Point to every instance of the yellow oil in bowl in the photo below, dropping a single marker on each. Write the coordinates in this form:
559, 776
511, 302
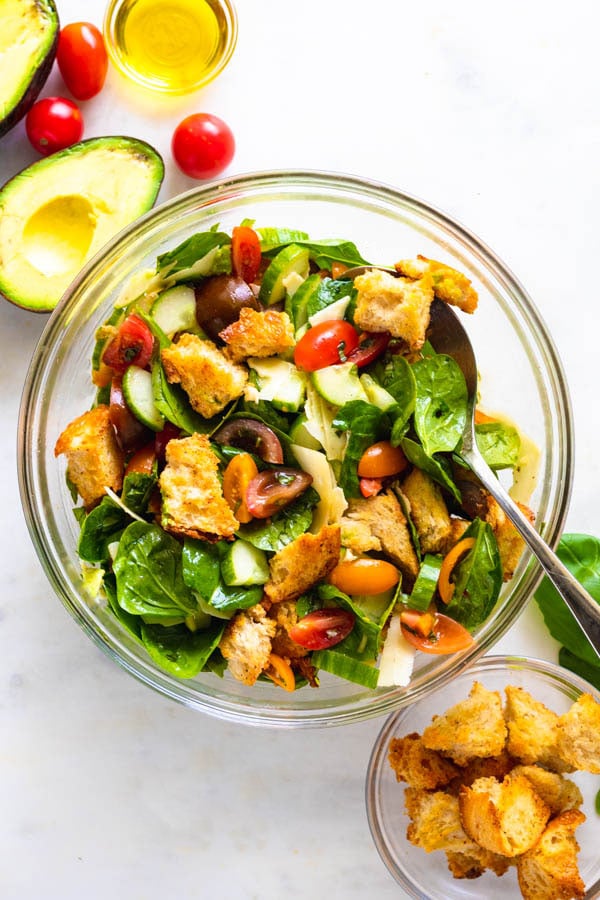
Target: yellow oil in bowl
173, 46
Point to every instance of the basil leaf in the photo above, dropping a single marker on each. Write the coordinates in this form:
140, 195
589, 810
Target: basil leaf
281, 529
440, 403
180, 651
499, 444
477, 578
435, 467
363, 421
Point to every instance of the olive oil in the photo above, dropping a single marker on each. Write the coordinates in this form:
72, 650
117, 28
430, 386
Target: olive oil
171, 45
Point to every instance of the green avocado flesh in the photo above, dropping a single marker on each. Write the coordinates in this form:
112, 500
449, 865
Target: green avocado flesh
60, 211
28, 40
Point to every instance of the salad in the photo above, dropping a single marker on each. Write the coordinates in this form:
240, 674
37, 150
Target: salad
268, 474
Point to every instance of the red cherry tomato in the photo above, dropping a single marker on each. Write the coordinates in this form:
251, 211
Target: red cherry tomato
202, 145
446, 635
381, 460
325, 344
82, 59
370, 346
133, 344
370, 487
364, 576
53, 124
245, 253
273, 489
322, 628
142, 460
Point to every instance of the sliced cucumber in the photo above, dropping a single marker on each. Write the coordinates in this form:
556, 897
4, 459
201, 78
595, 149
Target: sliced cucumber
279, 382
296, 306
299, 434
378, 395
139, 396
426, 583
243, 564
292, 258
339, 384
175, 310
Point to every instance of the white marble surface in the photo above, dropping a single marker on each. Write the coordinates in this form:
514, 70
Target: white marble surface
492, 115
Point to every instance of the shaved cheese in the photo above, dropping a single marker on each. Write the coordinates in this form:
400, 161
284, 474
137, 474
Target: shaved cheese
397, 657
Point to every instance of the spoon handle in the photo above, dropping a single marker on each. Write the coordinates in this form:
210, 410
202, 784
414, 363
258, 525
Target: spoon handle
585, 609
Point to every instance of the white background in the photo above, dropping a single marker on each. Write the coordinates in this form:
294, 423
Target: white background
491, 113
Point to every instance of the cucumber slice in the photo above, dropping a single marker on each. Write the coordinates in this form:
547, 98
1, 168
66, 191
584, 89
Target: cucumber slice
299, 434
426, 583
347, 667
296, 306
339, 384
175, 310
378, 395
139, 396
292, 258
279, 382
244, 564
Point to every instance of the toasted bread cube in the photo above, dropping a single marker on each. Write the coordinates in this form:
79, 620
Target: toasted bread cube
428, 511
264, 333
549, 871
304, 562
398, 305
285, 616
476, 862
435, 822
510, 543
474, 727
418, 766
209, 379
94, 459
383, 517
449, 284
192, 496
532, 731
557, 792
506, 817
578, 736
482, 767
246, 643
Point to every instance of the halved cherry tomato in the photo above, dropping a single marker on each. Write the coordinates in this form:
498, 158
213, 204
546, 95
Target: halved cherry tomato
52, 124
280, 672
364, 576
371, 344
131, 434
370, 487
446, 636
142, 460
421, 623
253, 436
381, 460
325, 344
237, 476
132, 345
82, 59
273, 489
161, 438
323, 628
445, 586
245, 252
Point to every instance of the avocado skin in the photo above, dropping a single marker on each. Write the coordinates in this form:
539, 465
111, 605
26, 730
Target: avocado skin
39, 76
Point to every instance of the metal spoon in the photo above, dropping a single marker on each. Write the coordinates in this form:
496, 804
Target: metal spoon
447, 335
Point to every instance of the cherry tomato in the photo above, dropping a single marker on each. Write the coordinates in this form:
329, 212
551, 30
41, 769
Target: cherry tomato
202, 145
325, 344
322, 628
161, 438
53, 124
245, 252
370, 487
381, 460
131, 434
364, 576
142, 460
446, 636
370, 346
82, 59
273, 489
280, 672
236, 478
133, 344
253, 436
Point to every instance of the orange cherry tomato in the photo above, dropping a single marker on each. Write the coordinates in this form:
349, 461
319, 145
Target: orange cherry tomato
482, 418
446, 635
142, 460
380, 460
364, 576
280, 672
236, 478
445, 586
245, 252
338, 269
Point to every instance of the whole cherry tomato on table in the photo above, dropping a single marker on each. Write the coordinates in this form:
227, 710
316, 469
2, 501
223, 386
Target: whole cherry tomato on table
202, 145
82, 59
53, 124
325, 344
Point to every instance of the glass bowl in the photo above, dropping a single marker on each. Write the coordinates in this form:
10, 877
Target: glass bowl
426, 876
521, 374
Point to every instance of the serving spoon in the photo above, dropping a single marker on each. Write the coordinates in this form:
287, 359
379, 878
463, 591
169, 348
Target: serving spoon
447, 335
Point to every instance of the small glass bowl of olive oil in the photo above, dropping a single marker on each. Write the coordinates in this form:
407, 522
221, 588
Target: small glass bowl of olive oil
172, 46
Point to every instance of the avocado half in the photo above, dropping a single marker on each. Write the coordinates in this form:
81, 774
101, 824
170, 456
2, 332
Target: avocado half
28, 40
57, 213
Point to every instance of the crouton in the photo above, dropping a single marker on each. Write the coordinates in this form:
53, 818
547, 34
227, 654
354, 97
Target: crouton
358, 537
476, 862
386, 521
532, 731
549, 870
449, 284
557, 792
398, 305
474, 727
94, 459
285, 616
435, 822
261, 334
246, 643
506, 817
192, 497
209, 379
304, 562
510, 543
481, 767
418, 766
578, 737
428, 511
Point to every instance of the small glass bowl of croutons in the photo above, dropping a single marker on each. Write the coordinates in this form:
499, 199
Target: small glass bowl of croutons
488, 787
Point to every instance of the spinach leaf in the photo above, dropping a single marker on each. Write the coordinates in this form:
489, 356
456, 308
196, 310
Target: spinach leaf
288, 524
137, 490
131, 622
477, 578
499, 444
580, 666
173, 402
201, 566
363, 421
435, 467
266, 412
226, 599
148, 569
323, 253
180, 651
183, 260
328, 291
395, 374
440, 403
101, 527
581, 555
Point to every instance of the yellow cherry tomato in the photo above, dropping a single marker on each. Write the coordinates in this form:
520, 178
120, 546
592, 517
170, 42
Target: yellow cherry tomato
236, 478
364, 576
280, 672
380, 460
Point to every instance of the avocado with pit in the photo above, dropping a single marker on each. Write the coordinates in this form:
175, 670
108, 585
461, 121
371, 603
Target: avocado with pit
58, 213
28, 40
